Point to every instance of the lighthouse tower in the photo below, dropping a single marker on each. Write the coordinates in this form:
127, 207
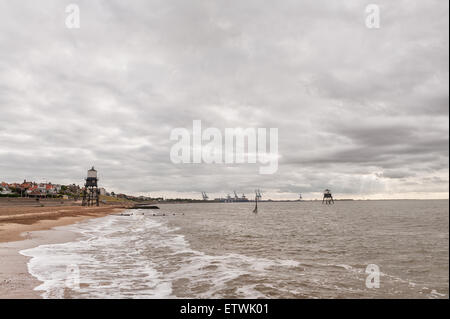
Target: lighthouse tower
91, 192
327, 197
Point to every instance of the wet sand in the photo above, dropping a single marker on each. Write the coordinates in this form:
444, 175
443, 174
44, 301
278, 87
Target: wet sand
27, 227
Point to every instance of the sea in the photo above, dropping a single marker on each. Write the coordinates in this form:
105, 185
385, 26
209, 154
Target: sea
352, 249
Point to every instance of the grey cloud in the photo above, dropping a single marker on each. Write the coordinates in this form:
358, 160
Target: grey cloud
361, 111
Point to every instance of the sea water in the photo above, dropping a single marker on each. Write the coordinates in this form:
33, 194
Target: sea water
223, 250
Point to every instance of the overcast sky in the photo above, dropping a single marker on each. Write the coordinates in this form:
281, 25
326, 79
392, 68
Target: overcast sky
361, 111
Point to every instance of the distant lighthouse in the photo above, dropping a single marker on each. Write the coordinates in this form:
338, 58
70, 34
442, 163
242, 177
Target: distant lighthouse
91, 192
327, 197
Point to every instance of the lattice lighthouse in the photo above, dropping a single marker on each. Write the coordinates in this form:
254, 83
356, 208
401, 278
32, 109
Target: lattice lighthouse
91, 192
327, 197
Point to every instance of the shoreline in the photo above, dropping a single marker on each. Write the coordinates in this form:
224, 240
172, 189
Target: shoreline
23, 228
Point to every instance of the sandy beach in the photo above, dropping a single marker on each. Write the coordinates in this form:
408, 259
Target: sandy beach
27, 227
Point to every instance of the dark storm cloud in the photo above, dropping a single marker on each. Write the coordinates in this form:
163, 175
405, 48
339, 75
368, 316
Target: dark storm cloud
359, 110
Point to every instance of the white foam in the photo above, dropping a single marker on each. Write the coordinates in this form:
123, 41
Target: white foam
109, 261
130, 257
434, 292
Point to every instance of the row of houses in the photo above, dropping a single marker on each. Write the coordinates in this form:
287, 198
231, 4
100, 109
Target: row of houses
33, 189
30, 189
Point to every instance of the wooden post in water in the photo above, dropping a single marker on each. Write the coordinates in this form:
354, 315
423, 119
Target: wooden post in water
257, 195
255, 211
